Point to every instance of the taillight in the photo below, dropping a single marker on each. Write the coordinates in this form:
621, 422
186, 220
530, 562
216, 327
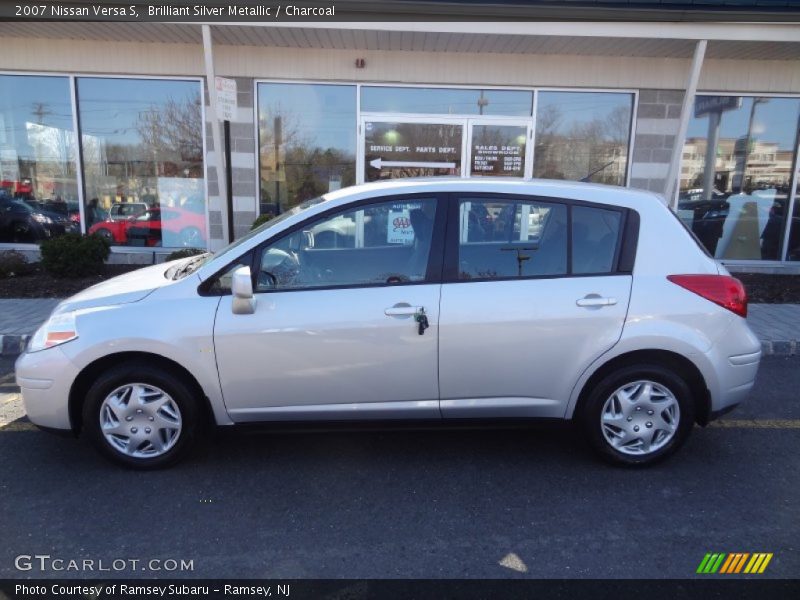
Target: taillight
726, 291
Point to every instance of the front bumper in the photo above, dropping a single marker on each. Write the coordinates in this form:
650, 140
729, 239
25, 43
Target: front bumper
45, 379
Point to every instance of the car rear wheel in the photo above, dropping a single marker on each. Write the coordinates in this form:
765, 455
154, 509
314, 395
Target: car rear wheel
141, 416
638, 415
21, 232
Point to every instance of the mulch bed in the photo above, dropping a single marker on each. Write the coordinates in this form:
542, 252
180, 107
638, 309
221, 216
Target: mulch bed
38, 284
770, 289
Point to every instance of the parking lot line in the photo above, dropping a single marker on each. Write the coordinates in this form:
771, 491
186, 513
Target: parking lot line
757, 424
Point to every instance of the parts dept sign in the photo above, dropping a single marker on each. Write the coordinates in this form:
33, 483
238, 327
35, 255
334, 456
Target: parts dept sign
411, 149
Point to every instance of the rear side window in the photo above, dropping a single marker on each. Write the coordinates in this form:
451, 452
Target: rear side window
595, 235
511, 238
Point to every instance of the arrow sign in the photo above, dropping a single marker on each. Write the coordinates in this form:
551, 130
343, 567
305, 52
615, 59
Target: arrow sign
379, 163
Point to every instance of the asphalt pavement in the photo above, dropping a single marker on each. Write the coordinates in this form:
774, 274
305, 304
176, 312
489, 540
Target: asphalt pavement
469, 503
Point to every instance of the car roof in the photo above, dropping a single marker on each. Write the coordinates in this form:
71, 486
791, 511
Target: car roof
557, 188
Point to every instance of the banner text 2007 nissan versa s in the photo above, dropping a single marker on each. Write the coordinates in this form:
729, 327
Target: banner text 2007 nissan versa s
433, 300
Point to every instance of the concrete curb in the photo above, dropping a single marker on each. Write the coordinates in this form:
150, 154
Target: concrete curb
779, 348
13, 344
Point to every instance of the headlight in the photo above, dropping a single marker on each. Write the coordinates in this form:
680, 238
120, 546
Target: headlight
42, 218
58, 329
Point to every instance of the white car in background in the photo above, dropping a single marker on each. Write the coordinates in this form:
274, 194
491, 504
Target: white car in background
602, 310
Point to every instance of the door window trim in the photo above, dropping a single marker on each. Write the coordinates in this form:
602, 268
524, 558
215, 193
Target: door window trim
624, 252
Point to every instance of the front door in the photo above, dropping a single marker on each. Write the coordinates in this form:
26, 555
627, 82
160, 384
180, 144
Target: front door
522, 315
346, 319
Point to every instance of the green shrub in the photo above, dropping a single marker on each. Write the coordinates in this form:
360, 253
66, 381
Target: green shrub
12, 264
184, 253
261, 219
74, 255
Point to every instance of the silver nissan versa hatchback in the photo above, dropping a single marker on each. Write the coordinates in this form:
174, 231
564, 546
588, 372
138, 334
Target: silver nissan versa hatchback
427, 300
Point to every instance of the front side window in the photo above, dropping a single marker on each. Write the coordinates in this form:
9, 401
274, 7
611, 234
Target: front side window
142, 142
382, 243
511, 238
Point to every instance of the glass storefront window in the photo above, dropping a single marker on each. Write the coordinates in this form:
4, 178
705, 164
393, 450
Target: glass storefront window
142, 145
736, 174
498, 150
583, 136
38, 184
446, 101
793, 246
394, 150
306, 142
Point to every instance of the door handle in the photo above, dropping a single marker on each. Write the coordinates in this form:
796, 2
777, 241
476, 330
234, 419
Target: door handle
595, 300
403, 310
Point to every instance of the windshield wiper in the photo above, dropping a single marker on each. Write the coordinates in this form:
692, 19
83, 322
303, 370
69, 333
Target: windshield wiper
190, 266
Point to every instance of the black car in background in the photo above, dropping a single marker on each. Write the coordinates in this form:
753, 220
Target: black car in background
708, 215
23, 221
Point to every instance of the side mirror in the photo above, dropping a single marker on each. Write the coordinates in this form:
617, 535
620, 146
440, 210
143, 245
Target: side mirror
242, 289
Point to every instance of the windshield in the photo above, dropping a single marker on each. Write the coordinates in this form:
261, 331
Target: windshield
227, 252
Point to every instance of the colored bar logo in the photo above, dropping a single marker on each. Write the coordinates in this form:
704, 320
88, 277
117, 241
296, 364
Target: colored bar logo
734, 562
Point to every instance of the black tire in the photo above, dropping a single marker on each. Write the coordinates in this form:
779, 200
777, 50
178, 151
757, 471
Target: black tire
106, 235
591, 413
22, 233
140, 372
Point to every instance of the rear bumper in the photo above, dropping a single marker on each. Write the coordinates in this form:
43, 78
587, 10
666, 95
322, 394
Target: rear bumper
734, 360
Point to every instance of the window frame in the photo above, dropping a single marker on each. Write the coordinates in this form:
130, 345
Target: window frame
435, 258
624, 252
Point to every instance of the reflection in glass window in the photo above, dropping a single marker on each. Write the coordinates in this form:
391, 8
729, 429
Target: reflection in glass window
793, 247
396, 150
736, 172
142, 142
446, 101
383, 243
583, 136
511, 239
306, 142
38, 185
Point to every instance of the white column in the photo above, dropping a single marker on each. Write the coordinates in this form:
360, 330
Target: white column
216, 133
688, 105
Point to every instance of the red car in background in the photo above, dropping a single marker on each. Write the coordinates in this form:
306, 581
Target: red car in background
167, 226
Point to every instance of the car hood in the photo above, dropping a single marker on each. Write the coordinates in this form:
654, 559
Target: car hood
130, 287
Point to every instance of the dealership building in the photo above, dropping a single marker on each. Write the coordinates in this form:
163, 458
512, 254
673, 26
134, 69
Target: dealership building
113, 123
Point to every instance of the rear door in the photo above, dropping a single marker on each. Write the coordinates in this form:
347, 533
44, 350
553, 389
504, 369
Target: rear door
533, 293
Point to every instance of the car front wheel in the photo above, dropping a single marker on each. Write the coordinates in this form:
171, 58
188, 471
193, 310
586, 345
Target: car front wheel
638, 415
141, 416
